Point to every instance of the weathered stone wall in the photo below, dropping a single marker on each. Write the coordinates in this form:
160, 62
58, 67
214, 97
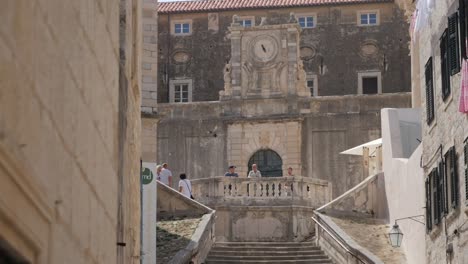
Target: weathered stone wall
195, 138
338, 46
450, 128
263, 223
69, 124
149, 57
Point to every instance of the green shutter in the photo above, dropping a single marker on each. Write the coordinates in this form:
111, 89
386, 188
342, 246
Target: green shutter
428, 204
429, 91
453, 47
454, 177
436, 196
442, 189
465, 154
444, 65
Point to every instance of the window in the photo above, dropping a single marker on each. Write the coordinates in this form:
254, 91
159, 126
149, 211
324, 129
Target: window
368, 18
429, 92
442, 189
181, 27
444, 66
435, 197
307, 21
269, 163
453, 47
312, 85
451, 175
181, 91
369, 83
246, 22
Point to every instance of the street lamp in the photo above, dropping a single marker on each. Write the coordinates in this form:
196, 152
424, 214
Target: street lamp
395, 234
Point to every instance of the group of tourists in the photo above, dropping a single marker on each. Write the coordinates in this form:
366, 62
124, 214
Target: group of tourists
164, 175
254, 173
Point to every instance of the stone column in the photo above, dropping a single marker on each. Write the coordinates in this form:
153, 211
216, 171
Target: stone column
236, 49
293, 54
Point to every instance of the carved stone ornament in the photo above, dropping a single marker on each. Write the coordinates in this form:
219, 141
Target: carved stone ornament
307, 52
181, 57
369, 48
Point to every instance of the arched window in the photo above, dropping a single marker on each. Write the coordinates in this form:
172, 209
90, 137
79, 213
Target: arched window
269, 163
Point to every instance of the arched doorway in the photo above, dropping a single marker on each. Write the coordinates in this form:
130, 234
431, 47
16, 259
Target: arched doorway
269, 163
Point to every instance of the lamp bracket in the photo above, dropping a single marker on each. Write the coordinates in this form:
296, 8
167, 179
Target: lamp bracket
410, 218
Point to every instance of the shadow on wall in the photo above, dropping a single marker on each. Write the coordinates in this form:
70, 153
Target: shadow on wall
367, 199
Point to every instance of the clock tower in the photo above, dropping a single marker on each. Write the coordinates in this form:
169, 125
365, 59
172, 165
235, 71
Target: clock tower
264, 63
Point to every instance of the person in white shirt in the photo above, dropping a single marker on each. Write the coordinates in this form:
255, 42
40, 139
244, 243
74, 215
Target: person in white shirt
185, 186
254, 173
158, 173
166, 175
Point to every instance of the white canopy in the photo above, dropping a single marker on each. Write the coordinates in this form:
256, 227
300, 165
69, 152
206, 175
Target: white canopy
372, 145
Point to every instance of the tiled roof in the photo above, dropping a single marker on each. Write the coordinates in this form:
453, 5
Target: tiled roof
219, 5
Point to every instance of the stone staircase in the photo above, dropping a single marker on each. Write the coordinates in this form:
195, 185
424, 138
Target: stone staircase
266, 252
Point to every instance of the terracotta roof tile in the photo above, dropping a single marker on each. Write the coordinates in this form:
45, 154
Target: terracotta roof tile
219, 5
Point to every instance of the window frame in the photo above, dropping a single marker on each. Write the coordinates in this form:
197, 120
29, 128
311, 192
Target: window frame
314, 78
306, 15
176, 82
181, 22
362, 75
452, 179
242, 20
368, 13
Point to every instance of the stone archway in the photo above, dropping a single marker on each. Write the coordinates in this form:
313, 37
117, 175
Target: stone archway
268, 161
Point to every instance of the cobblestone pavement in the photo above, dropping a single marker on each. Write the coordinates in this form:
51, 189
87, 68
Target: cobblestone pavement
173, 235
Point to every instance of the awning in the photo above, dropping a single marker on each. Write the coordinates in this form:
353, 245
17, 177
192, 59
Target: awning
372, 145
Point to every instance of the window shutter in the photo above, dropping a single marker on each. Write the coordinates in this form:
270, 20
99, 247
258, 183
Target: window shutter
445, 69
429, 92
428, 204
465, 150
462, 20
436, 196
442, 189
454, 177
453, 48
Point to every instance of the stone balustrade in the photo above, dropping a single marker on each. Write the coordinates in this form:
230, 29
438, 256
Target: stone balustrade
295, 190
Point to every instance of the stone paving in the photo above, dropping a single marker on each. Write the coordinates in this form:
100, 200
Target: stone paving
373, 237
173, 235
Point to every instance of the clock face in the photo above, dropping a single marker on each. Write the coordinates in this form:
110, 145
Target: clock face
264, 48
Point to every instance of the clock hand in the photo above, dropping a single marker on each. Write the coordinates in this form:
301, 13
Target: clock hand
264, 49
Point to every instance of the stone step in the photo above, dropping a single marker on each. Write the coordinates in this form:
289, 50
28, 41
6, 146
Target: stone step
264, 248
266, 257
216, 251
269, 244
308, 261
266, 252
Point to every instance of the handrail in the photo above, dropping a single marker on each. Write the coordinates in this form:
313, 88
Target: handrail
338, 241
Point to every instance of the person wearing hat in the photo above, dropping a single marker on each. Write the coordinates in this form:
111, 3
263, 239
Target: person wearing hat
231, 172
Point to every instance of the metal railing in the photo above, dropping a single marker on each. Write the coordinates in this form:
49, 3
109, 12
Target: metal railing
339, 242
